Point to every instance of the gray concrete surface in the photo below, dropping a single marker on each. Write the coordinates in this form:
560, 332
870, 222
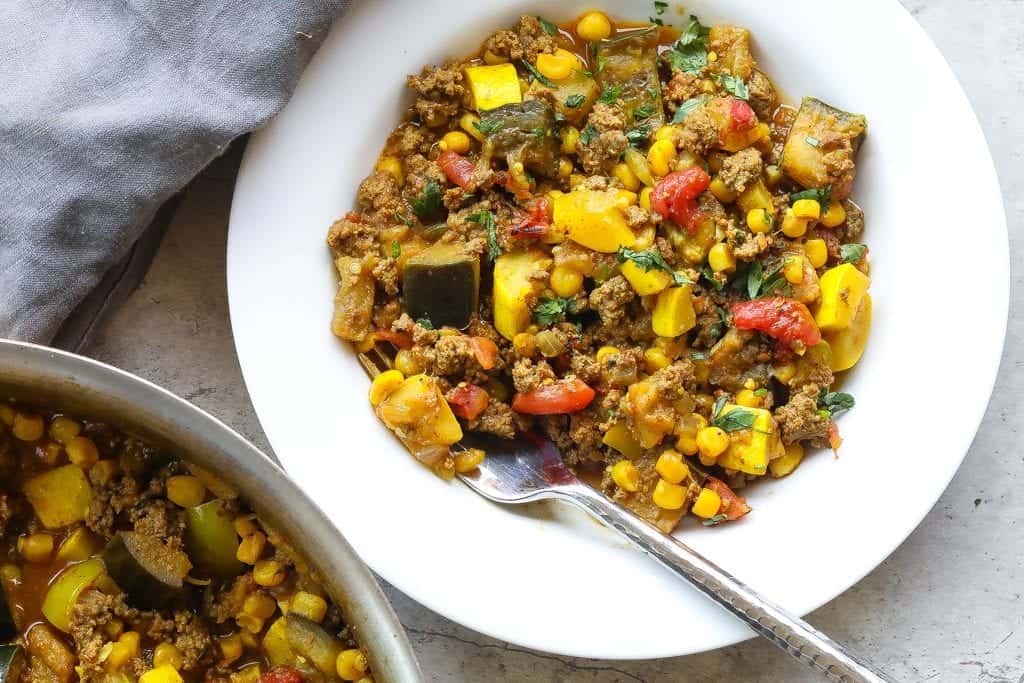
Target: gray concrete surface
946, 606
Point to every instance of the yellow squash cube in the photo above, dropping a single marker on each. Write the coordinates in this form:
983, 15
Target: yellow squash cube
621, 439
493, 86
514, 287
645, 282
757, 197
594, 219
418, 412
673, 312
60, 497
842, 290
848, 345
750, 449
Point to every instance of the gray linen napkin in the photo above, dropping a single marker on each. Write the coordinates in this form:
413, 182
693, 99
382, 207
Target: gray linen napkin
107, 109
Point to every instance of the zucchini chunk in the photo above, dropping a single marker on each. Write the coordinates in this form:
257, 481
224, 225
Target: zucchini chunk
822, 145
442, 285
308, 639
523, 133
353, 304
630, 70
8, 631
12, 663
211, 540
573, 97
150, 572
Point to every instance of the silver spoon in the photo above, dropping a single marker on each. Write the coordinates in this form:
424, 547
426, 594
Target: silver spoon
520, 471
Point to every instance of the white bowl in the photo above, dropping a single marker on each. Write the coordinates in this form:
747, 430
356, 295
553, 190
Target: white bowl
546, 578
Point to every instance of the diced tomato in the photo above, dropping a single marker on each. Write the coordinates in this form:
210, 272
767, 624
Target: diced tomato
834, 440
787, 320
537, 222
675, 197
468, 401
560, 398
401, 340
353, 217
282, 674
733, 506
484, 350
457, 168
741, 116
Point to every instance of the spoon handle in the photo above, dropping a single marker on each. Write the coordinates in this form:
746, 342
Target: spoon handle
792, 634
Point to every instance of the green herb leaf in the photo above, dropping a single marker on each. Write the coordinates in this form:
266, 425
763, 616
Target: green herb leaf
688, 107
761, 392
429, 202
539, 133
694, 33
734, 85
425, 323
638, 135
716, 520
651, 260
537, 75
709, 275
574, 101
610, 95
659, 6
735, 420
822, 195
852, 253
485, 219
588, 134
690, 52
835, 402
656, 21
762, 281
551, 310
644, 112
548, 27
600, 63
488, 127
813, 141
698, 355
396, 250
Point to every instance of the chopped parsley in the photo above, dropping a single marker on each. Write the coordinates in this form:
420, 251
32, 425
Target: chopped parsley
428, 203
813, 141
539, 133
396, 250
548, 27
834, 402
734, 85
644, 112
651, 260
719, 328
690, 52
574, 101
688, 107
485, 219
709, 275
488, 127
537, 75
659, 7
852, 253
716, 520
822, 195
656, 20
600, 63
588, 134
761, 392
639, 134
762, 281
735, 420
425, 323
610, 95
551, 310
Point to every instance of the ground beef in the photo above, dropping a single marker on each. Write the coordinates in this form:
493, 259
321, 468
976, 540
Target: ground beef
410, 139
454, 356
496, 419
762, 95
225, 604
742, 169
799, 420
682, 86
585, 430
352, 236
385, 272
586, 368
639, 218
610, 300
160, 519
380, 196
533, 39
110, 501
440, 93
187, 631
93, 611
623, 368
854, 225
746, 245
528, 375
606, 145
699, 131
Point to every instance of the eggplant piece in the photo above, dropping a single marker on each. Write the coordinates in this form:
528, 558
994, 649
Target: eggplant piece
573, 96
12, 663
629, 69
442, 284
523, 133
211, 540
8, 630
819, 130
308, 639
150, 572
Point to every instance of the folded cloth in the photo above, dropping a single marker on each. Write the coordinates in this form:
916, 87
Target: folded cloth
109, 109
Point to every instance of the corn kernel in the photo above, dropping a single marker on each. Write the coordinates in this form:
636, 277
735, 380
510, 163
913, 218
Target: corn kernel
249, 623
712, 56
468, 122
245, 525
759, 220
186, 492
392, 166
268, 573
491, 59
251, 547
793, 226
455, 141
570, 139
835, 216
406, 363
645, 198
793, 270
722, 192
565, 167
566, 282
351, 665
708, 504
655, 359
669, 496
52, 453
468, 460
62, 429
382, 387
748, 399
807, 208
712, 441
82, 451
604, 352
6, 414
36, 548
671, 467
817, 252
28, 427
626, 476
114, 628
721, 258
311, 606
161, 674
259, 605
593, 26
660, 156
125, 649
231, 648
166, 654
524, 344
626, 176
558, 65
